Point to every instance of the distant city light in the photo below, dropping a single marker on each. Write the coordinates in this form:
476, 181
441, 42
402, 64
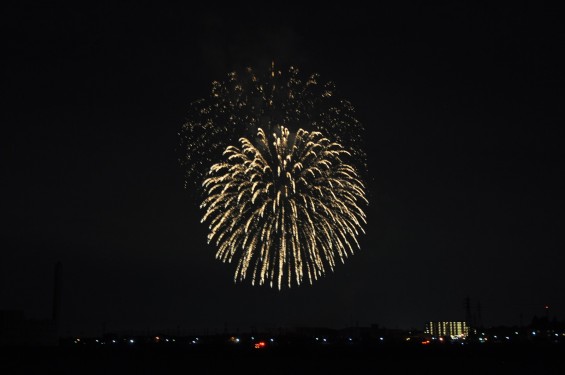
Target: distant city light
260, 345
418, 337
457, 329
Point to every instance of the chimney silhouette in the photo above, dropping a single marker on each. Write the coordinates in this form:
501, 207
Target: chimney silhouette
57, 294
468, 316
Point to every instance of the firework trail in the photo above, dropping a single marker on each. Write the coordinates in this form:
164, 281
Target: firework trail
285, 207
247, 101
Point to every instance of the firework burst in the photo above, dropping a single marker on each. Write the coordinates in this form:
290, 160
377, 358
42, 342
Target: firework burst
286, 208
249, 100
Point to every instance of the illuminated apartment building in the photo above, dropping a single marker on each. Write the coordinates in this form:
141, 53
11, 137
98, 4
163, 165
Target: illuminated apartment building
447, 329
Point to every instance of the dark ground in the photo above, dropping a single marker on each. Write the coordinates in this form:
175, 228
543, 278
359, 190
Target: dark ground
493, 359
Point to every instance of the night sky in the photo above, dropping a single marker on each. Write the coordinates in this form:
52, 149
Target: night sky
463, 106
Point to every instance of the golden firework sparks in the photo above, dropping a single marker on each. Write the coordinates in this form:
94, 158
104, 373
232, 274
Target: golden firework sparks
285, 207
249, 100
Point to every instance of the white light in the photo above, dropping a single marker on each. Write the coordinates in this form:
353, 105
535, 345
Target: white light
316, 339
515, 333
96, 340
194, 342
131, 341
350, 339
324, 340
167, 340
507, 338
272, 340
252, 338
114, 341
381, 338
534, 333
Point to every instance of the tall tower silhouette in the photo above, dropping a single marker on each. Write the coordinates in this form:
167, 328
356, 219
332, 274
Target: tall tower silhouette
468, 316
57, 295
479, 321
469, 319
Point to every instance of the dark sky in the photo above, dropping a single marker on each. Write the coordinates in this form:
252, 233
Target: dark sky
464, 110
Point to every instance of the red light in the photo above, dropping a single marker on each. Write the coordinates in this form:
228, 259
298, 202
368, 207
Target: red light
427, 342
260, 344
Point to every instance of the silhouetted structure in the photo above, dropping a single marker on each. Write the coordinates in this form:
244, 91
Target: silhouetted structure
479, 320
57, 295
468, 315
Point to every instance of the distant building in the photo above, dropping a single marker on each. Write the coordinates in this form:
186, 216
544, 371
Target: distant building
448, 329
